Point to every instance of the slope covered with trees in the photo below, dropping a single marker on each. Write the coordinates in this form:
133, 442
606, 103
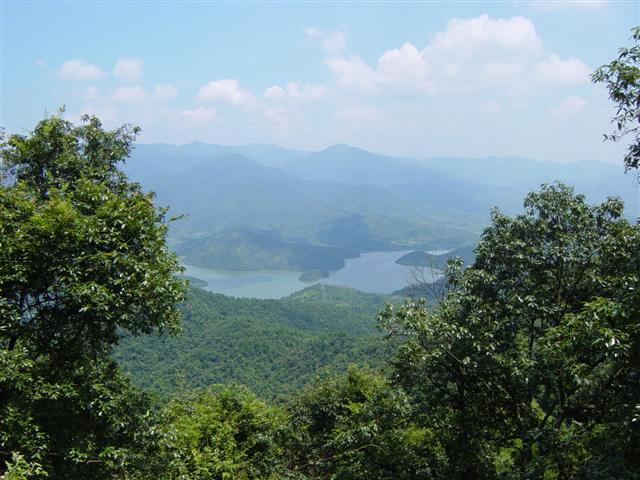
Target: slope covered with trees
273, 346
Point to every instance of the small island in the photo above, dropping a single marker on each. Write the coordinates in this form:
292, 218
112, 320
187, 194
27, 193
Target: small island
415, 259
418, 258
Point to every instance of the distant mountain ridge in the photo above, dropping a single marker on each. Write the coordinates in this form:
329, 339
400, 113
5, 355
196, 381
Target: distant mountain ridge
343, 197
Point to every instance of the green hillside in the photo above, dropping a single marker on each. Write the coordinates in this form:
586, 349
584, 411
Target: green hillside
248, 249
272, 346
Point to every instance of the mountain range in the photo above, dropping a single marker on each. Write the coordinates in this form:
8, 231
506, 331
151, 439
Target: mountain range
262, 206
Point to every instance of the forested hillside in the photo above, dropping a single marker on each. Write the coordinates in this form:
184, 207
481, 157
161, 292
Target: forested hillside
273, 346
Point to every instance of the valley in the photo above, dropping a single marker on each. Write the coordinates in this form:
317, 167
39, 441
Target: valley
264, 221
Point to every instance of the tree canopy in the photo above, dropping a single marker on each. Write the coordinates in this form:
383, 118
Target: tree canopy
531, 363
83, 260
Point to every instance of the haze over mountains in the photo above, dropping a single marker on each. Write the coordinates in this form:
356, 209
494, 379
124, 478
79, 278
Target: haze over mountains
258, 206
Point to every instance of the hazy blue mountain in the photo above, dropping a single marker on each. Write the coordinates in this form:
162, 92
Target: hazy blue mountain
354, 166
596, 180
470, 184
232, 191
167, 159
324, 205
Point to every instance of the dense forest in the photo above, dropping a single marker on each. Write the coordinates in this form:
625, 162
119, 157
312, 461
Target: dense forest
527, 367
260, 343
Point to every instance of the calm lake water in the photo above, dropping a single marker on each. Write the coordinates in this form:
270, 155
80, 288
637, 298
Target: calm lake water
371, 272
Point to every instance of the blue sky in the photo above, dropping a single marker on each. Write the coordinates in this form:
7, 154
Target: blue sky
420, 79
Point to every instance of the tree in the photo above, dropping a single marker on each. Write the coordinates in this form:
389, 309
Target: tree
622, 79
220, 433
83, 260
531, 364
358, 427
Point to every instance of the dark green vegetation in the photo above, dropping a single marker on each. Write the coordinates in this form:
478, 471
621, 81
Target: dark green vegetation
527, 368
273, 346
536, 346
622, 78
82, 259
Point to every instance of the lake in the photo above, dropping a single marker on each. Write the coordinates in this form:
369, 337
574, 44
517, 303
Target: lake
374, 272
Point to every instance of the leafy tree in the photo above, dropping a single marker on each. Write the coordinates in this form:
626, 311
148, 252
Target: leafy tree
357, 426
83, 259
531, 365
622, 79
223, 433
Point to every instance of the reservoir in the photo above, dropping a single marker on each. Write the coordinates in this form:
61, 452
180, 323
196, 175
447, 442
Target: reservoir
374, 272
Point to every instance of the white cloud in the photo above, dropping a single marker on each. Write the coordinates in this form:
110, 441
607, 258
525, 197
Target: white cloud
333, 43
225, 90
295, 93
553, 5
199, 116
353, 72
128, 69
278, 118
571, 105
129, 95
568, 72
164, 92
79, 70
470, 54
41, 63
90, 93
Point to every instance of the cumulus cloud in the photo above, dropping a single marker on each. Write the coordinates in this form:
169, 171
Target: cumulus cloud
199, 116
164, 92
128, 69
278, 118
353, 72
225, 90
571, 105
79, 70
480, 52
557, 71
294, 93
127, 95
90, 93
333, 43
552, 5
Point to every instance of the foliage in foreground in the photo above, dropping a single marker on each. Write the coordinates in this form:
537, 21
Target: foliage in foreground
622, 79
529, 368
83, 258
532, 363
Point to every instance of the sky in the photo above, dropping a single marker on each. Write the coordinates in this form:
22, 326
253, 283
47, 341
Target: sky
420, 79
